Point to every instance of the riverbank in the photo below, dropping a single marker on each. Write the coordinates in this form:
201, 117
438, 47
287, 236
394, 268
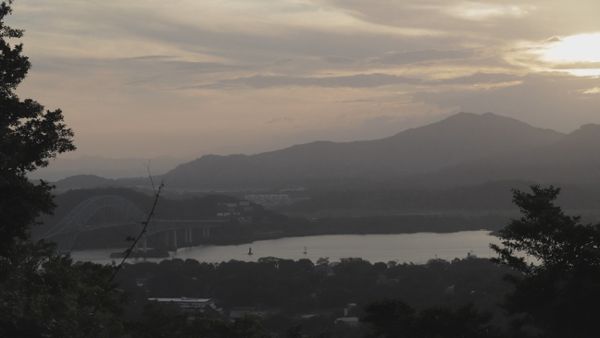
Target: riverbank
415, 248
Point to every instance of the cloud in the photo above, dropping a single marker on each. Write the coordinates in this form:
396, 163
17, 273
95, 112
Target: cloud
478, 11
592, 91
416, 56
481, 78
550, 100
270, 81
353, 81
117, 68
491, 20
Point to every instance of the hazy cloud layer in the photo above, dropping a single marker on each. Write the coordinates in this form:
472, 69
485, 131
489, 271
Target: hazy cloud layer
186, 77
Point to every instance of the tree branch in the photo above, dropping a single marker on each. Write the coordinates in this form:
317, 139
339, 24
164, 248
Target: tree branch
145, 224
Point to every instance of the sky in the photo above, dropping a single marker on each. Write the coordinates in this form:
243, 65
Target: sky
184, 78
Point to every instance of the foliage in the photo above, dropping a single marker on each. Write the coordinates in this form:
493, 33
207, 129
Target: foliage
301, 287
559, 258
29, 137
42, 293
46, 295
299, 298
164, 321
392, 318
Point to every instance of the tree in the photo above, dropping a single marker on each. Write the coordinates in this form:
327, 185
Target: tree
558, 258
30, 135
169, 321
46, 295
42, 293
393, 318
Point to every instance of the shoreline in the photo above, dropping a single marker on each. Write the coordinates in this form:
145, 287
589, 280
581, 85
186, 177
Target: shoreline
399, 247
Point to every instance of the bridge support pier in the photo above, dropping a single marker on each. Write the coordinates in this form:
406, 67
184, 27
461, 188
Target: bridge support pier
171, 236
205, 232
189, 235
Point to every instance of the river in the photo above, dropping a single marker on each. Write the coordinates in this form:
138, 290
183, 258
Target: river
417, 248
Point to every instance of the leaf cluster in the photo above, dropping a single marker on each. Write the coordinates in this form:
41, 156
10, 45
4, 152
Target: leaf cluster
559, 258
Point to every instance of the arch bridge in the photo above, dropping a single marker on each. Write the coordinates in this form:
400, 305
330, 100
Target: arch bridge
113, 211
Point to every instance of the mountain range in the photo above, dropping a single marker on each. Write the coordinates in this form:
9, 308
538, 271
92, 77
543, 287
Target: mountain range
462, 149
61, 168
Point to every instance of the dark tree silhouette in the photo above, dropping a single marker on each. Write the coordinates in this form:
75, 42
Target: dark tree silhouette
559, 261
30, 135
42, 293
395, 319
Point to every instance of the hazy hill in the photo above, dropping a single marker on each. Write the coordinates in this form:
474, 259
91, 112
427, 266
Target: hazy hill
573, 159
61, 168
83, 182
462, 138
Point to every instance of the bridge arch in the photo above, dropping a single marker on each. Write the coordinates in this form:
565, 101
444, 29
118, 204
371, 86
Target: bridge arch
79, 219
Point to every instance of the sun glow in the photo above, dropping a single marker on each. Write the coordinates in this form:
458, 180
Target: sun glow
572, 49
578, 54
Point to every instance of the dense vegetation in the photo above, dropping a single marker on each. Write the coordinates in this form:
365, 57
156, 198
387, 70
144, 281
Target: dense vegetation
289, 289
304, 287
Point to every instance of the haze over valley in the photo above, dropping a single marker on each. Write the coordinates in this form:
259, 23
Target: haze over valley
462, 150
452, 175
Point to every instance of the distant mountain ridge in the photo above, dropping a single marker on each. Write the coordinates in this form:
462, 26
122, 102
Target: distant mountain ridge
61, 168
454, 141
573, 159
463, 149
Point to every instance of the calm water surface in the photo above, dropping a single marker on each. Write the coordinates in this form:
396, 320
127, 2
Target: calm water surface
403, 248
